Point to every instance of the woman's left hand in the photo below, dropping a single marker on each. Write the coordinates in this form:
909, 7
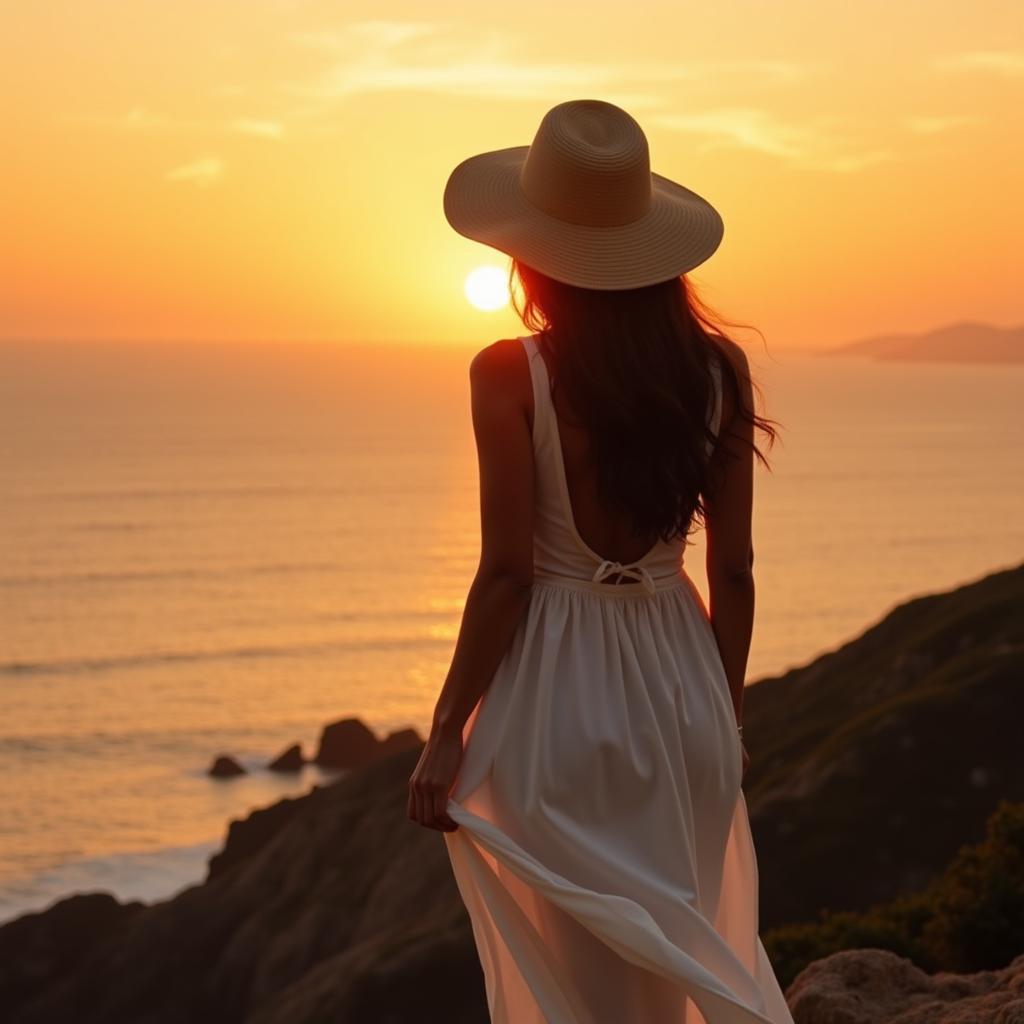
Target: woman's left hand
433, 779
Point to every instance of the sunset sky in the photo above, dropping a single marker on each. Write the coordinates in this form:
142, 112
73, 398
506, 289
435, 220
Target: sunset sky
239, 169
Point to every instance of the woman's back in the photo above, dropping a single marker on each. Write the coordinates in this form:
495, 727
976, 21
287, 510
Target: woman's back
573, 534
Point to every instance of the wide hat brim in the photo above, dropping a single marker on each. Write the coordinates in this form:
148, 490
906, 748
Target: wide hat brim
484, 201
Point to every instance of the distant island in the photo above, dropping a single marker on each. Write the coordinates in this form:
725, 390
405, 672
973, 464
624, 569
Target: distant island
966, 342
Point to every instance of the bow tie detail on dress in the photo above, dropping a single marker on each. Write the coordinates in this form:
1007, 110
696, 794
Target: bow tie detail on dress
638, 572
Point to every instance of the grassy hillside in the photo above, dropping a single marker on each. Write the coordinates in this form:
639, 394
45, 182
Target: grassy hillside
871, 765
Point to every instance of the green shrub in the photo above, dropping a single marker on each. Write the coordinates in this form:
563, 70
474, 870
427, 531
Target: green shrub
970, 918
978, 923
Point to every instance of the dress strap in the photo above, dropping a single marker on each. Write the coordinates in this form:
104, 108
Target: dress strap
541, 392
715, 419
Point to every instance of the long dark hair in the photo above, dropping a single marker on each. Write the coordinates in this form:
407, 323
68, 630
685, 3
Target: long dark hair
635, 368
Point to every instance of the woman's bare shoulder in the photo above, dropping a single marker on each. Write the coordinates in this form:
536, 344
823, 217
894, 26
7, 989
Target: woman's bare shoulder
733, 352
499, 353
502, 368
737, 357
501, 361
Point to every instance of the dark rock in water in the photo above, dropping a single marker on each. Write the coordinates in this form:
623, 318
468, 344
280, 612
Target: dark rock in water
396, 742
291, 760
225, 766
350, 744
347, 744
865, 986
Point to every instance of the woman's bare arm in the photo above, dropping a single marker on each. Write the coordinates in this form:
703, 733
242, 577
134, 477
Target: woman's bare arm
730, 550
500, 592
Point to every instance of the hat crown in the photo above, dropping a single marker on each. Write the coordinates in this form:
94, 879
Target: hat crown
589, 163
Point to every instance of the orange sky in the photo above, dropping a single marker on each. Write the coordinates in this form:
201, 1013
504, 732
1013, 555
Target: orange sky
274, 168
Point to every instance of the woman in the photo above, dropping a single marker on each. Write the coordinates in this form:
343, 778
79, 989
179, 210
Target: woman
585, 759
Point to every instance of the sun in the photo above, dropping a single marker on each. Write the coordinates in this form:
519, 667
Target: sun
487, 288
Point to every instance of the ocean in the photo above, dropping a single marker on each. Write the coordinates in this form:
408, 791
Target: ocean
214, 548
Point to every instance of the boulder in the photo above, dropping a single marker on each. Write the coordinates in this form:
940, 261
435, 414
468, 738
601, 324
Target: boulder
290, 760
224, 767
398, 741
868, 986
346, 745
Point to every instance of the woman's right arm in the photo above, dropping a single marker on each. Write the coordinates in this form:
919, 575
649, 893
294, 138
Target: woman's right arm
730, 549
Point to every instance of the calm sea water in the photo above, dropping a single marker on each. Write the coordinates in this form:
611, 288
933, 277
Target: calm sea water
221, 548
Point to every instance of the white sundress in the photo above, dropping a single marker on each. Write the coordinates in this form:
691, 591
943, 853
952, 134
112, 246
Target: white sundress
604, 852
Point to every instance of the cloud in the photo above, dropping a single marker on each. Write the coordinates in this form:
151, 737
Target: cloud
261, 129
388, 56
229, 90
1009, 63
744, 127
137, 119
933, 125
395, 56
383, 34
205, 171
850, 163
814, 145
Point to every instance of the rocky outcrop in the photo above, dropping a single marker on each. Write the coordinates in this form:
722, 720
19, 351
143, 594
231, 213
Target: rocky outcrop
36, 950
350, 744
289, 760
398, 741
872, 764
331, 907
872, 986
250, 835
335, 907
225, 767
347, 744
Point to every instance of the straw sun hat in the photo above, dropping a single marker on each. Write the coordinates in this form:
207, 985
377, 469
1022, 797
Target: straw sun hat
581, 203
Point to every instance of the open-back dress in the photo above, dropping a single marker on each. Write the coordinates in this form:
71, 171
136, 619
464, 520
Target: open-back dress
604, 852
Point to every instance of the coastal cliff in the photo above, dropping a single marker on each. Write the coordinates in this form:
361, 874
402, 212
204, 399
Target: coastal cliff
871, 765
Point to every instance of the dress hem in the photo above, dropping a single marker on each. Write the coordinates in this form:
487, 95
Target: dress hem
628, 928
